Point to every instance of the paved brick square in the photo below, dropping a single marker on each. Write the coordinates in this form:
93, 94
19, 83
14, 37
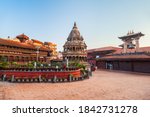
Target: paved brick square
103, 85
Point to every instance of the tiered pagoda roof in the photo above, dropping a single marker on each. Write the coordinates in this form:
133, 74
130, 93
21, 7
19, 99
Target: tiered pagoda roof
131, 35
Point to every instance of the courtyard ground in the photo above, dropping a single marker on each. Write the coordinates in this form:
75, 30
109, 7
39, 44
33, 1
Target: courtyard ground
103, 85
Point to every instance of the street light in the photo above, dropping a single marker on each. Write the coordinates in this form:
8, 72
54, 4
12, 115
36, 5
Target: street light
37, 53
37, 56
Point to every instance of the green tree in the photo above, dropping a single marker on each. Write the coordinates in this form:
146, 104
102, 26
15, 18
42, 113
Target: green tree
4, 64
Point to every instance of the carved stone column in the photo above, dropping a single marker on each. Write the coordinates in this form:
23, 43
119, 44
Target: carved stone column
137, 44
125, 47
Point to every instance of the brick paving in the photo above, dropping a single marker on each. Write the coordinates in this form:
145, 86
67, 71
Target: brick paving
103, 85
1, 94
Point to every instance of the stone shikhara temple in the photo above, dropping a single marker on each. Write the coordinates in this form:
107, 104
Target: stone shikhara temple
75, 47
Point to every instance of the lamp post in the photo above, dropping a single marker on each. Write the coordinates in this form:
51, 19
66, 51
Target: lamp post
37, 53
37, 56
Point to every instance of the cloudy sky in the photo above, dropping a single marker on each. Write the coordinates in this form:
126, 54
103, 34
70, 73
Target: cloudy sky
100, 21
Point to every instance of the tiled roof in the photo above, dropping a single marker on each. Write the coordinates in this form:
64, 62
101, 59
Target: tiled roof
141, 49
37, 41
118, 50
9, 42
108, 48
146, 49
117, 54
144, 53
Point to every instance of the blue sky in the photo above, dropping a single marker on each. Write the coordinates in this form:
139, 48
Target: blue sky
100, 21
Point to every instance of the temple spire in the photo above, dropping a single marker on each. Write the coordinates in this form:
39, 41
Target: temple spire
75, 47
75, 25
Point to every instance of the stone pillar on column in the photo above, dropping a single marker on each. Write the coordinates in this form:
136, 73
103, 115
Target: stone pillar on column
125, 47
137, 44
